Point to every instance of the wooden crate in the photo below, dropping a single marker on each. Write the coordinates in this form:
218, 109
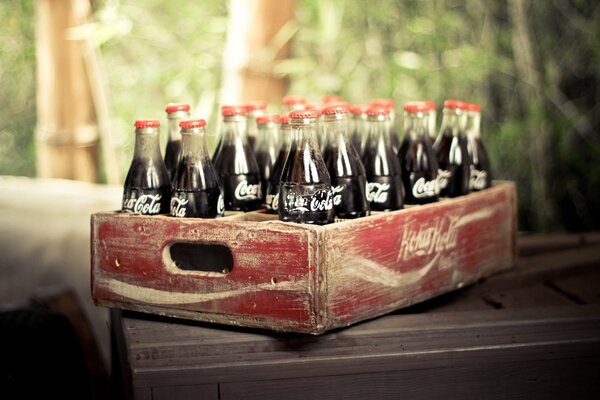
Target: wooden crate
301, 278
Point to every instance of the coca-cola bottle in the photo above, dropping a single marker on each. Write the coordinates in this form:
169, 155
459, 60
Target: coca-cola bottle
236, 164
266, 147
292, 103
451, 150
254, 108
305, 193
390, 104
347, 173
431, 117
385, 190
196, 189
417, 158
220, 129
272, 190
481, 175
332, 100
176, 112
147, 186
359, 127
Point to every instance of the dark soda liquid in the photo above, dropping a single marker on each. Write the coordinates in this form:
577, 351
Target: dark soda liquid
385, 190
454, 164
265, 163
147, 188
306, 203
348, 183
240, 178
394, 140
172, 153
419, 170
481, 175
196, 191
272, 188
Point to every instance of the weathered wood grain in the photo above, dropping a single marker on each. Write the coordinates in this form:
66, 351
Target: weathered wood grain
300, 278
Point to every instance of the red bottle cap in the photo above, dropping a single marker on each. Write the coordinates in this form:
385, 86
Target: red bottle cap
416, 106
228, 111
378, 110
303, 114
172, 107
473, 107
265, 119
283, 119
192, 123
147, 123
337, 109
254, 105
431, 104
293, 100
389, 103
455, 104
332, 98
359, 108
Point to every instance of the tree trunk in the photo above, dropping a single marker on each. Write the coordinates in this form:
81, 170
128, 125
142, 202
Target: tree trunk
67, 137
251, 52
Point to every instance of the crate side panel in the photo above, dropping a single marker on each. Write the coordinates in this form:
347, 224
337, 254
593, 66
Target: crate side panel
272, 275
393, 260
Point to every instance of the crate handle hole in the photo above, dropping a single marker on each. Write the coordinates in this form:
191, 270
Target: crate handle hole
201, 257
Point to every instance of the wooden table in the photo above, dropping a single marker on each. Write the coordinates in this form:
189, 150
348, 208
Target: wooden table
532, 332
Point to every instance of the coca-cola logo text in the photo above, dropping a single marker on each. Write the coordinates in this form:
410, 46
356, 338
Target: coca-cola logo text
246, 191
443, 177
145, 204
377, 192
272, 201
418, 240
178, 206
221, 204
424, 188
321, 200
337, 194
478, 179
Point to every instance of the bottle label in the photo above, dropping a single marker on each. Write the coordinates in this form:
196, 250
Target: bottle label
378, 192
478, 179
245, 191
320, 200
272, 200
423, 188
178, 206
443, 178
221, 204
337, 194
206, 203
145, 202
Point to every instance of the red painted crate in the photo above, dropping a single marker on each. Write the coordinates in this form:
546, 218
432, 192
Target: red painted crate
301, 278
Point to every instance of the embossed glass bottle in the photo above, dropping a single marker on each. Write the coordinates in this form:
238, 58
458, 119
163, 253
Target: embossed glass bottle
417, 158
359, 127
254, 109
285, 138
384, 178
347, 173
266, 147
236, 164
147, 188
305, 194
451, 150
390, 104
176, 112
196, 190
481, 174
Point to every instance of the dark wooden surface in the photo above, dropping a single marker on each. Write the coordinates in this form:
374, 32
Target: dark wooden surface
532, 332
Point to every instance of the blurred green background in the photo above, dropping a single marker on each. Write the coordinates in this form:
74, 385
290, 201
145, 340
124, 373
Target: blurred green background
534, 67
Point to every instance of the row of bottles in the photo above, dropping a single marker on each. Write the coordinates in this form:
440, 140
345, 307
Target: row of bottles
312, 166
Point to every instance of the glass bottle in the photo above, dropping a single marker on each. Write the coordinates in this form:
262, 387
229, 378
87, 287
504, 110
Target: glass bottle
266, 147
291, 103
176, 112
451, 151
384, 178
255, 109
305, 194
196, 189
390, 104
147, 187
272, 198
347, 173
417, 158
236, 164
359, 127
481, 175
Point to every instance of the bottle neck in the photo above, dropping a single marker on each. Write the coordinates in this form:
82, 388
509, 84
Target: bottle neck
174, 119
335, 127
193, 144
267, 136
285, 136
474, 125
453, 120
147, 144
234, 129
379, 131
304, 134
415, 124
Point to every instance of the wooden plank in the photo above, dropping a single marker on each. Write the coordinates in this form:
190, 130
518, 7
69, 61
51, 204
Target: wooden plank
395, 342
537, 295
193, 392
584, 289
571, 378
